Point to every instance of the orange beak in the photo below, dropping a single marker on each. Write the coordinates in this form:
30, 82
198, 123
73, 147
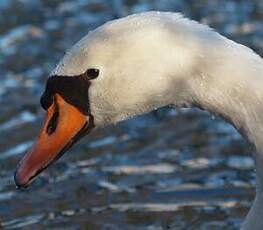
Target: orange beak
64, 125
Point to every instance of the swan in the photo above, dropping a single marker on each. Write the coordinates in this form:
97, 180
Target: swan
141, 62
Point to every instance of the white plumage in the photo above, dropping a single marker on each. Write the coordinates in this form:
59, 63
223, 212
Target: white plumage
154, 59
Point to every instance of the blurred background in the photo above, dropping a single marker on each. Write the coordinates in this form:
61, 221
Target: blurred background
170, 169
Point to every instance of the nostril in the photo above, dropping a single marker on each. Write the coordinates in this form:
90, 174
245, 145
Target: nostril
52, 124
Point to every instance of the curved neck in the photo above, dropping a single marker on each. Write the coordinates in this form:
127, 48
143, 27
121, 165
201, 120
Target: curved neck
230, 84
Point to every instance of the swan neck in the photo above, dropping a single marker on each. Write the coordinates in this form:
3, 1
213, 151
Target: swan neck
228, 81
230, 84
236, 94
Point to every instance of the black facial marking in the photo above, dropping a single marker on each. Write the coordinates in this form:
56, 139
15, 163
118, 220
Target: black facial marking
73, 89
52, 124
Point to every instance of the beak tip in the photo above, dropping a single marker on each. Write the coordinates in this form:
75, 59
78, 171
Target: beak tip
18, 182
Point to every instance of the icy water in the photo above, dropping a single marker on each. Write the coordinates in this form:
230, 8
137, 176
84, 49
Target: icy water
170, 169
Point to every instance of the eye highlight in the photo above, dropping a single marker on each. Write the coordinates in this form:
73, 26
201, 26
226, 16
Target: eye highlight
92, 73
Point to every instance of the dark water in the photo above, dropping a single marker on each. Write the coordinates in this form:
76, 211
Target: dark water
170, 169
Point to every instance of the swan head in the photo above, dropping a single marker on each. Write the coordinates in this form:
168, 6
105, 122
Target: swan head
123, 68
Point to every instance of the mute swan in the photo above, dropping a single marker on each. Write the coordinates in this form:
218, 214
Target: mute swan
144, 61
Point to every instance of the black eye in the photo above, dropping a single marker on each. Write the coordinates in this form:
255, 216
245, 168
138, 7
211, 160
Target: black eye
92, 73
